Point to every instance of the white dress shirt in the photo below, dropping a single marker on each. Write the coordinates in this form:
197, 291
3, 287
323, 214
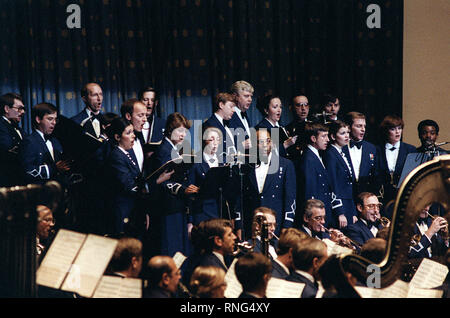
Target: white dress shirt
137, 148
373, 229
356, 155
392, 155
261, 173
212, 160
17, 130
230, 135
243, 120
95, 122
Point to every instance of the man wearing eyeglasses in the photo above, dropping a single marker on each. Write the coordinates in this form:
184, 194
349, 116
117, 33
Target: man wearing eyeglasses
12, 111
45, 224
367, 225
300, 110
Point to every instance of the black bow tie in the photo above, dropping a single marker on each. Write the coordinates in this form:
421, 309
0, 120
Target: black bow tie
392, 149
244, 115
370, 224
358, 144
98, 117
422, 220
14, 124
47, 138
317, 234
226, 123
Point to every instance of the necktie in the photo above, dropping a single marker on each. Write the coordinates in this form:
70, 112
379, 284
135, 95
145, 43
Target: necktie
358, 144
244, 115
226, 123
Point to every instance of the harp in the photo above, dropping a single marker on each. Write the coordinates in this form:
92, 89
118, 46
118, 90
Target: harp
428, 183
18, 220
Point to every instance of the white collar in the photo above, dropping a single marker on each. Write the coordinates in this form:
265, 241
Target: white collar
271, 123
338, 148
219, 118
41, 134
307, 230
208, 156
313, 149
123, 150
307, 275
389, 145
220, 257
282, 266
171, 143
89, 112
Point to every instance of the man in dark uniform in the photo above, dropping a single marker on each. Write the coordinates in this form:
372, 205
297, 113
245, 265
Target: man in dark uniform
253, 270
153, 130
243, 93
428, 131
90, 117
163, 277
12, 111
300, 110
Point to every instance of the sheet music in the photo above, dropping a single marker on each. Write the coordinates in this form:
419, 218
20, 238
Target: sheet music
59, 258
281, 288
90, 265
335, 249
118, 287
424, 293
430, 274
234, 287
179, 259
399, 289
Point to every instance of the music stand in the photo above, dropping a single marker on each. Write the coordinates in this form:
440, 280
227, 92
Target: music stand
214, 182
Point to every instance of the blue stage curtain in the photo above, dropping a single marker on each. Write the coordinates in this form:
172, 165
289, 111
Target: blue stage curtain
192, 49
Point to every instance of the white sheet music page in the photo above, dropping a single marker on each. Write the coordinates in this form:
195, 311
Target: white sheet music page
234, 287
59, 258
430, 274
118, 287
281, 288
179, 259
90, 265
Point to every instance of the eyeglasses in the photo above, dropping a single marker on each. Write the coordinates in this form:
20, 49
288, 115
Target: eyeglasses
374, 206
19, 108
301, 104
264, 142
318, 218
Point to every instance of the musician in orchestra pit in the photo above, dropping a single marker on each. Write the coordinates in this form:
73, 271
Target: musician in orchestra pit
428, 131
40, 154
12, 111
135, 112
271, 108
300, 111
392, 155
367, 226
270, 183
243, 93
208, 282
253, 271
90, 117
374, 249
126, 261
314, 220
340, 172
432, 243
283, 265
270, 217
153, 130
163, 277
45, 224
224, 108
308, 255
363, 156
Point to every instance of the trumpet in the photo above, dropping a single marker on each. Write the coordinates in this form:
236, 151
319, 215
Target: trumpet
242, 248
260, 228
443, 232
342, 240
383, 221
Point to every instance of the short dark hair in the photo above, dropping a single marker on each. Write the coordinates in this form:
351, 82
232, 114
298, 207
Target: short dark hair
327, 98
148, 89
223, 98
362, 196
174, 121
313, 129
250, 270
128, 106
390, 121
117, 127
374, 249
427, 122
211, 229
263, 103
40, 110
8, 100
350, 117
335, 125
305, 251
126, 249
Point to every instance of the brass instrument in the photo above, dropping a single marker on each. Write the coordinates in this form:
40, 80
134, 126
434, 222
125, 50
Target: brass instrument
428, 183
416, 238
383, 221
260, 227
344, 241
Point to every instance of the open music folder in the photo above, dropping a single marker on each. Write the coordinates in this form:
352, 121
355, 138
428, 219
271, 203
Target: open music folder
76, 262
